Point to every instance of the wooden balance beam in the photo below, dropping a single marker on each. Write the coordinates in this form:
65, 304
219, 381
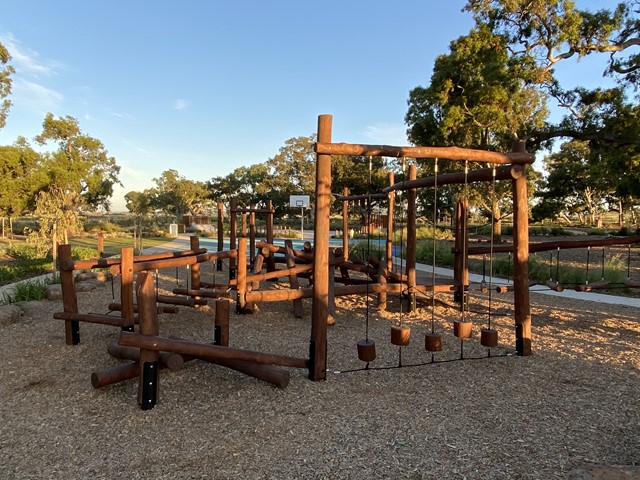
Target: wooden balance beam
207, 351
91, 318
161, 308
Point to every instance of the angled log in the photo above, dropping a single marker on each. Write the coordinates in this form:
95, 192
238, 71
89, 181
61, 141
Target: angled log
170, 360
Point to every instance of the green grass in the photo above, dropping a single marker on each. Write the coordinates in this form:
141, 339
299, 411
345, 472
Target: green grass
113, 245
26, 263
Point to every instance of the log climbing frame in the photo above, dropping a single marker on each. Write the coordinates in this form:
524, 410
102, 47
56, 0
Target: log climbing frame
512, 166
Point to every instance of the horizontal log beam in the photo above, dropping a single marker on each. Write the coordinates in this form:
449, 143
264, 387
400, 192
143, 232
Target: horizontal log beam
343, 290
117, 307
177, 262
108, 262
185, 302
449, 153
92, 318
207, 351
201, 293
508, 172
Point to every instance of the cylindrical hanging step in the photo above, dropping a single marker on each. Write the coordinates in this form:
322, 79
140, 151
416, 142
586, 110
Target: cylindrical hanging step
366, 350
489, 337
433, 342
462, 329
400, 335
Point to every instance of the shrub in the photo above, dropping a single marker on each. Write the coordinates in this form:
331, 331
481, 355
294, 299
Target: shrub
84, 253
25, 291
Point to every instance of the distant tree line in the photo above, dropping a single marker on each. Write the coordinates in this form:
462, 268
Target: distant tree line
494, 86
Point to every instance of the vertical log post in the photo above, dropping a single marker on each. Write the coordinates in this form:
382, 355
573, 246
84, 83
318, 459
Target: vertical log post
391, 203
241, 305
69, 297
126, 287
271, 265
194, 244
232, 235
252, 234
243, 224
221, 328
220, 234
269, 222
460, 264
331, 310
148, 386
320, 303
345, 224
411, 241
101, 244
522, 308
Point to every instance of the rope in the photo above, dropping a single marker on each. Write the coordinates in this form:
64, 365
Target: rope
493, 199
368, 241
403, 218
433, 260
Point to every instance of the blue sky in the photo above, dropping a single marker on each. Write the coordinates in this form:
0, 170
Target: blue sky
204, 87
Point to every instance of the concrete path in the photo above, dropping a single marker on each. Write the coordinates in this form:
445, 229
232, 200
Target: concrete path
584, 296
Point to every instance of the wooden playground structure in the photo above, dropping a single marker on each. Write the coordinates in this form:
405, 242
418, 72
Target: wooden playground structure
251, 262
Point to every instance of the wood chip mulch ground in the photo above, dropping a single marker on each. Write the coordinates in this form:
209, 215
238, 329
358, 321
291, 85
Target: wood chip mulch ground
575, 402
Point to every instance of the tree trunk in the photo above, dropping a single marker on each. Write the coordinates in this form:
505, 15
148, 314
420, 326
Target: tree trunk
496, 228
3, 227
620, 213
54, 244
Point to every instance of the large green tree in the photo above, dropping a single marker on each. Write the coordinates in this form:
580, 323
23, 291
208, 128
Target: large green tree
247, 184
579, 183
81, 167
178, 195
541, 33
6, 71
292, 171
476, 100
21, 177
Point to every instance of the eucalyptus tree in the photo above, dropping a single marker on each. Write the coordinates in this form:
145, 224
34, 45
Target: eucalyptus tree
80, 176
475, 99
178, 195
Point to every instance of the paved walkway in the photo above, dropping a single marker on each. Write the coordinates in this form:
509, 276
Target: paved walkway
182, 243
588, 296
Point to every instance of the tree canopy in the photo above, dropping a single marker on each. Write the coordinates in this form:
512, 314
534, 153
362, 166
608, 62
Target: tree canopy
81, 166
6, 71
